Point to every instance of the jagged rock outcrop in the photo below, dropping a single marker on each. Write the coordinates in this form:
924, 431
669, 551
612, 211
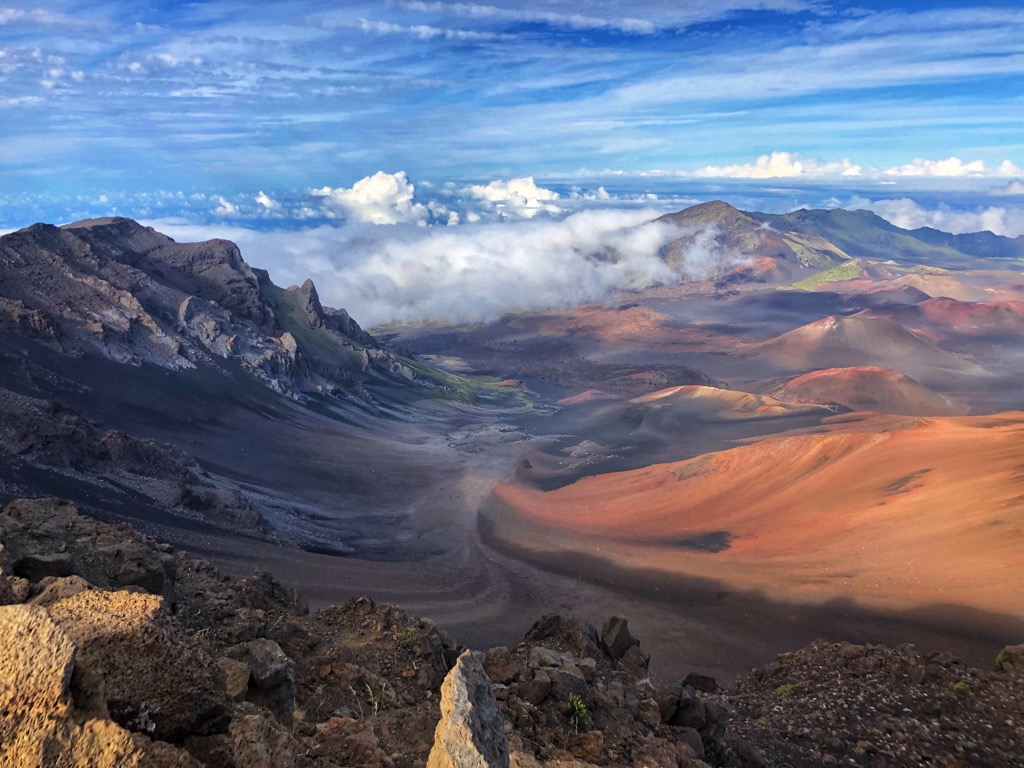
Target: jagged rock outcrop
471, 733
114, 288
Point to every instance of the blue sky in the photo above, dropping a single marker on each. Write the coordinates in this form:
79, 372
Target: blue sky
299, 114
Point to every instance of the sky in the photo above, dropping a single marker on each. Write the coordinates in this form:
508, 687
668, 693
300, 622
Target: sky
351, 117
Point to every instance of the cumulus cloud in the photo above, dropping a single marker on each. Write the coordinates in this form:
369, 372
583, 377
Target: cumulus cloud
225, 207
909, 214
383, 198
514, 198
781, 165
952, 167
1015, 187
474, 272
266, 202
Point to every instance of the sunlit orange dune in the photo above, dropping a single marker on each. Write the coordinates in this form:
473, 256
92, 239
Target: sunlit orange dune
892, 511
711, 402
869, 388
590, 396
845, 341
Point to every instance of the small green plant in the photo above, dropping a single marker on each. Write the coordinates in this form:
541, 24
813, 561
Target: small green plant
762, 721
408, 638
788, 689
962, 688
578, 715
1005, 656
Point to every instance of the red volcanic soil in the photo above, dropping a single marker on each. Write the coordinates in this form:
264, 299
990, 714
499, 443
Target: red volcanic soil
969, 317
697, 401
760, 270
612, 325
590, 396
869, 388
839, 342
891, 511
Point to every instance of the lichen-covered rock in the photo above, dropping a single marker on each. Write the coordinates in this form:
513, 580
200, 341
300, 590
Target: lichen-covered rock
471, 733
157, 679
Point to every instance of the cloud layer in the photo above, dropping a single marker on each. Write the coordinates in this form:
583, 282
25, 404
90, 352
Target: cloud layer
474, 272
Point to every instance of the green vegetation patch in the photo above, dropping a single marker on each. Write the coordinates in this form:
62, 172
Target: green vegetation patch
845, 271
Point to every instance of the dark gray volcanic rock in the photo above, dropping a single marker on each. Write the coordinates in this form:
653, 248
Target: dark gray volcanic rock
119, 290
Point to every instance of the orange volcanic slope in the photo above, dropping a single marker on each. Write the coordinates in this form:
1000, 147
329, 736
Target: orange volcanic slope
838, 342
891, 511
869, 388
967, 317
710, 403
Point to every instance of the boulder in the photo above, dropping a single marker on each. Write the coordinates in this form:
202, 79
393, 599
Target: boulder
501, 666
536, 690
565, 681
471, 732
544, 657
615, 637
690, 711
157, 679
261, 741
40, 723
345, 741
635, 662
236, 675
271, 676
702, 683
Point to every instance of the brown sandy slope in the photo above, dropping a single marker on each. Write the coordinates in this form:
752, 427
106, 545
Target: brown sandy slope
869, 388
964, 317
712, 403
838, 342
894, 512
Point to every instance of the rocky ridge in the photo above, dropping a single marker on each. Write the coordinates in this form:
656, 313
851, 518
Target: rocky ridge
119, 290
121, 651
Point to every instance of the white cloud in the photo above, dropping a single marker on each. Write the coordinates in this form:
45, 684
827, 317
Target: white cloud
514, 198
426, 32
1015, 187
265, 201
646, 16
781, 165
952, 167
472, 272
908, 214
383, 198
224, 207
